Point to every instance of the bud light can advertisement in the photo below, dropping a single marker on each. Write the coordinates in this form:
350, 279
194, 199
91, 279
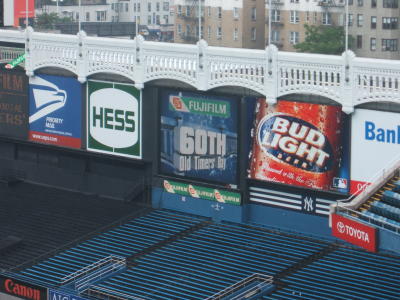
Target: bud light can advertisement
300, 144
55, 110
199, 136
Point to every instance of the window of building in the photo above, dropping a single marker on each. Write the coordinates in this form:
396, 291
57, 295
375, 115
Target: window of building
253, 33
179, 10
372, 44
253, 13
209, 11
326, 18
236, 12
360, 20
134, 7
315, 17
389, 44
138, 7
359, 41
389, 23
179, 29
149, 6
373, 22
219, 12
219, 32
209, 32
275, 15
235, 34
294, 37
158, 19
148, 20
188, 10
158, 6
275, 35
294, 16
294, 1
373, 3
187, 29
350, 2
350, 23
165, 6
360, 2
307, 16
166, 19
101, 16
87, 16
390, 3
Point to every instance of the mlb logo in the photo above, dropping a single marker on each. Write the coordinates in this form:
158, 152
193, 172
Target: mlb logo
339, 183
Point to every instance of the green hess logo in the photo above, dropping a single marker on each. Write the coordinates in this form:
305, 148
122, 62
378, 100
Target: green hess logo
114, 119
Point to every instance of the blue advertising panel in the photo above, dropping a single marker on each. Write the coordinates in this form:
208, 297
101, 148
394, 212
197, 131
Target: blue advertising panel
55, 110
199, 136
56, 295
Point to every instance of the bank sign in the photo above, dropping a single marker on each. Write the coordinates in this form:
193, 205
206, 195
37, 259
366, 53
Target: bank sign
199, 136
55, 110
375, 145
114, 119
354, 232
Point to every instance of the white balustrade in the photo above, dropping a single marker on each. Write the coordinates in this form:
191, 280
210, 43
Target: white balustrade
346, 79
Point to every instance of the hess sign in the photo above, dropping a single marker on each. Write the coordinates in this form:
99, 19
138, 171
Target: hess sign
354, 232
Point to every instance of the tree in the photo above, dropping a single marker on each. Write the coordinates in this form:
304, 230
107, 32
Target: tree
47, 21
323, 40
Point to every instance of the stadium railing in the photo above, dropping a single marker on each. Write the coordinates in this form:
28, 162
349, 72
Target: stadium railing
87, 272
350, 205
264, 282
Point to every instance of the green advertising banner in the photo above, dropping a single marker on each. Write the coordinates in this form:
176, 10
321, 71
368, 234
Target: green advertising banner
114, 119
200, 192
15, 62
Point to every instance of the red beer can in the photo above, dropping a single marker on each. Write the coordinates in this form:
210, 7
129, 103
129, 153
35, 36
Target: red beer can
296, 143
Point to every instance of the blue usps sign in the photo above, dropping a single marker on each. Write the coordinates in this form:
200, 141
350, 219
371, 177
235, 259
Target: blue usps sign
55, 105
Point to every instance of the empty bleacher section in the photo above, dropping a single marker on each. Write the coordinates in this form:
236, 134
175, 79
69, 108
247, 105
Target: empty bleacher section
384, 206
124, 241
343, 274
43, 219
178, 256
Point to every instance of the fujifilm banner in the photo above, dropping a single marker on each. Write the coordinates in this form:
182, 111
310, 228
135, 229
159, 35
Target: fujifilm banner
199, 136
114, 119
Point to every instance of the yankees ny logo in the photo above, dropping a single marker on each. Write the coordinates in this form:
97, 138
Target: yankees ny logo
308, 203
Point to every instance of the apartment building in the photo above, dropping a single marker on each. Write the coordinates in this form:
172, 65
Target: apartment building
157, 16
227, 23
374, 26
288, 18
91, 10
154, 17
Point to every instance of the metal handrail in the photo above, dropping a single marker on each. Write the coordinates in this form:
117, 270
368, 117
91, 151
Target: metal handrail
382, 175
91, 267
111, 294
240, 284
117, 263
382, 224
